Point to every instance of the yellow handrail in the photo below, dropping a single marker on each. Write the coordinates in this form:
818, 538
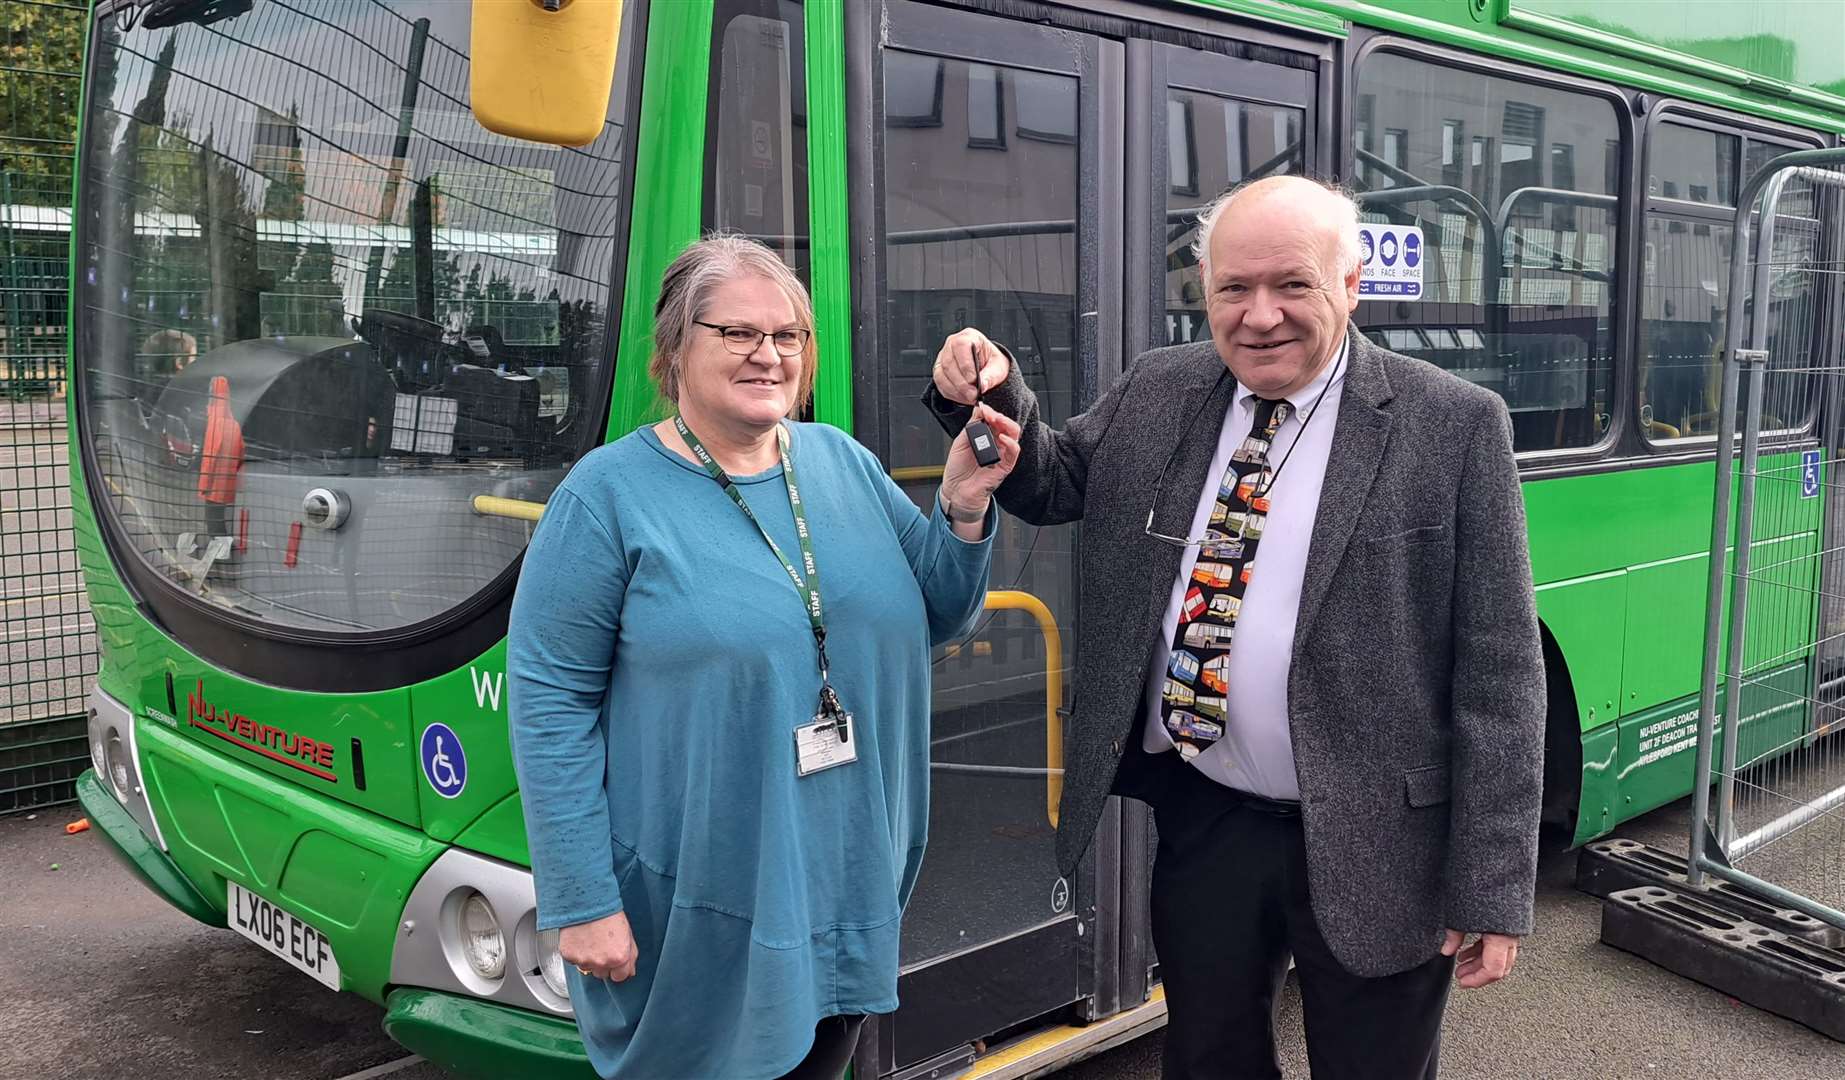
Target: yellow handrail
494, 506
1013, 600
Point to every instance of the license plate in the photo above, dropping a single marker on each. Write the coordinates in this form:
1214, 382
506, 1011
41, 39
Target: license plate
282, 934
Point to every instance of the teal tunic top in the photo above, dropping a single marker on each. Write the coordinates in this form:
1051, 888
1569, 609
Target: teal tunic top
659, 660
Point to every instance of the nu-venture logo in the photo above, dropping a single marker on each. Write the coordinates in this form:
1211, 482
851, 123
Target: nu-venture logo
292, 749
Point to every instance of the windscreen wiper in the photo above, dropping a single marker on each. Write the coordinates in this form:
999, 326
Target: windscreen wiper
159, 14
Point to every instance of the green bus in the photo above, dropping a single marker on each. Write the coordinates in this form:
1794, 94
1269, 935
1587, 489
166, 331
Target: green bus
296, 249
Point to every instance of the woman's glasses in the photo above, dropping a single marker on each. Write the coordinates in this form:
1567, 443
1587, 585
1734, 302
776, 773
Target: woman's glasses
744, 340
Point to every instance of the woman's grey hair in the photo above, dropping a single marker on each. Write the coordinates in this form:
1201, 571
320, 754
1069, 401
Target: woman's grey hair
1340, 201
686, 290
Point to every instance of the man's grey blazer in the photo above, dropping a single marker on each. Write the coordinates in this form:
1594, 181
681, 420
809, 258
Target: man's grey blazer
1416, 699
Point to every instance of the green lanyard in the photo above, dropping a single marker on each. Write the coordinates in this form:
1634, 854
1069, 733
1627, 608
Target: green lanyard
809, 587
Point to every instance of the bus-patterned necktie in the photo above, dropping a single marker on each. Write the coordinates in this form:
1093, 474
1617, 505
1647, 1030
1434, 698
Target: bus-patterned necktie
1193, 705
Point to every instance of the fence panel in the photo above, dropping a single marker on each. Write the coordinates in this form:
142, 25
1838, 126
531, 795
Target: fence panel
1769, 738
49, 653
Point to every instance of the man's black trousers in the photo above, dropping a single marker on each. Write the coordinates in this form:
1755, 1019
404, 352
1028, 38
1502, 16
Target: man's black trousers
1230, 904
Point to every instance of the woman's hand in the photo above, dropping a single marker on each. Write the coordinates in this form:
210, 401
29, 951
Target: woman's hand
966, 487
603, 949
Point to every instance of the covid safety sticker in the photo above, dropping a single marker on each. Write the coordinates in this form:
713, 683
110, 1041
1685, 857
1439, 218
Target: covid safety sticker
1392, 256
445, 764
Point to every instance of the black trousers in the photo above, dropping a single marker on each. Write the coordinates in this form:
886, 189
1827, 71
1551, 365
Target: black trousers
835, 1037
1230, 904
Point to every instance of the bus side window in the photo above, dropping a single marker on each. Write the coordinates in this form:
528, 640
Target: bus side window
757, 183
1694, 173
1516, 189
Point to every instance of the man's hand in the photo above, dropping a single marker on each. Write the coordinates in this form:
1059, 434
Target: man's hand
962, 355
603, 949
1486, 961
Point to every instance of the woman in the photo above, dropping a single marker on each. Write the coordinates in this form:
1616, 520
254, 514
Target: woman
723, 743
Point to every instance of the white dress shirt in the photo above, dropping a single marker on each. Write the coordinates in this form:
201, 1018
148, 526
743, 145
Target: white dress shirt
1255, 754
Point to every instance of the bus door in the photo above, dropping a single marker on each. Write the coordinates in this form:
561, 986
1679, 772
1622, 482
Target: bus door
1041, 183
989, 179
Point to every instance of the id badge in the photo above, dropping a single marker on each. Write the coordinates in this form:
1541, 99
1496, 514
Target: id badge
818, 746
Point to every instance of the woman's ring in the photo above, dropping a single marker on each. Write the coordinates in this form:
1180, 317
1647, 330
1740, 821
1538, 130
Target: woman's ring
582, 969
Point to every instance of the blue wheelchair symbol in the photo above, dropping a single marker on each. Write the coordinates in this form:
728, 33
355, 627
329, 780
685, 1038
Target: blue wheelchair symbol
1809, 474
445, 764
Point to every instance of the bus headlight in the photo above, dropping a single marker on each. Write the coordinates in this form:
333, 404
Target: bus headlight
482, 943
551, 963
115, 757
486, 943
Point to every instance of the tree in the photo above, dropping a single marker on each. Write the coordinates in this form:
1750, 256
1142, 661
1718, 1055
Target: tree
41, 59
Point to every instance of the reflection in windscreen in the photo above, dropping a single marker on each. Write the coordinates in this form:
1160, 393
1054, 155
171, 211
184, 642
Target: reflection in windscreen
324, 310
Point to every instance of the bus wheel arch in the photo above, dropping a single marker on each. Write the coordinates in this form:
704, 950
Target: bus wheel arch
1562, 747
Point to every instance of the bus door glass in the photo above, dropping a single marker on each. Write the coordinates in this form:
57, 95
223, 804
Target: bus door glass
1225, 120
986, 212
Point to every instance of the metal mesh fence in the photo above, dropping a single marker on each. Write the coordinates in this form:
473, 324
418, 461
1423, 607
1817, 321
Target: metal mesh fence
1777, 745
45, 626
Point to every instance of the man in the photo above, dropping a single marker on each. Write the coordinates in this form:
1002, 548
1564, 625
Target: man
168, 352
164, 354
1308, 639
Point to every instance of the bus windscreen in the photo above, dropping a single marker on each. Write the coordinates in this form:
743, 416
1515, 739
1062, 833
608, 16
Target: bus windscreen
306, 282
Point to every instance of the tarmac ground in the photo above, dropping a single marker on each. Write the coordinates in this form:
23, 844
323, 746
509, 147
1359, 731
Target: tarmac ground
100, 980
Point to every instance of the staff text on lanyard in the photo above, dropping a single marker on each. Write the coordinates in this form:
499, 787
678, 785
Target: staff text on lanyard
830, 715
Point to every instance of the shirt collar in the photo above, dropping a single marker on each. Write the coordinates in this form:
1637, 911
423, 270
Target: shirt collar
1330, 376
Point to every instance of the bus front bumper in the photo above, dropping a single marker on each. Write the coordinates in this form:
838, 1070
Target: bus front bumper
466, 1036
131, 845
475, 1038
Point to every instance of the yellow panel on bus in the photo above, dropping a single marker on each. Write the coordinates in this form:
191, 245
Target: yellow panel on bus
544, 74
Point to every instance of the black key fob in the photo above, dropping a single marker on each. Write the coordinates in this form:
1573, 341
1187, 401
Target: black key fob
980, 437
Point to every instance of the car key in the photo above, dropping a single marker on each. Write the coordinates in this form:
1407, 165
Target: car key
980, 433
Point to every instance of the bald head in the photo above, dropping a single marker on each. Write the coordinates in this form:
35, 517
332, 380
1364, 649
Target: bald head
1293, 196
1281, 267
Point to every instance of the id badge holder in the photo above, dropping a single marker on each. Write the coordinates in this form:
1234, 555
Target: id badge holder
823, 745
